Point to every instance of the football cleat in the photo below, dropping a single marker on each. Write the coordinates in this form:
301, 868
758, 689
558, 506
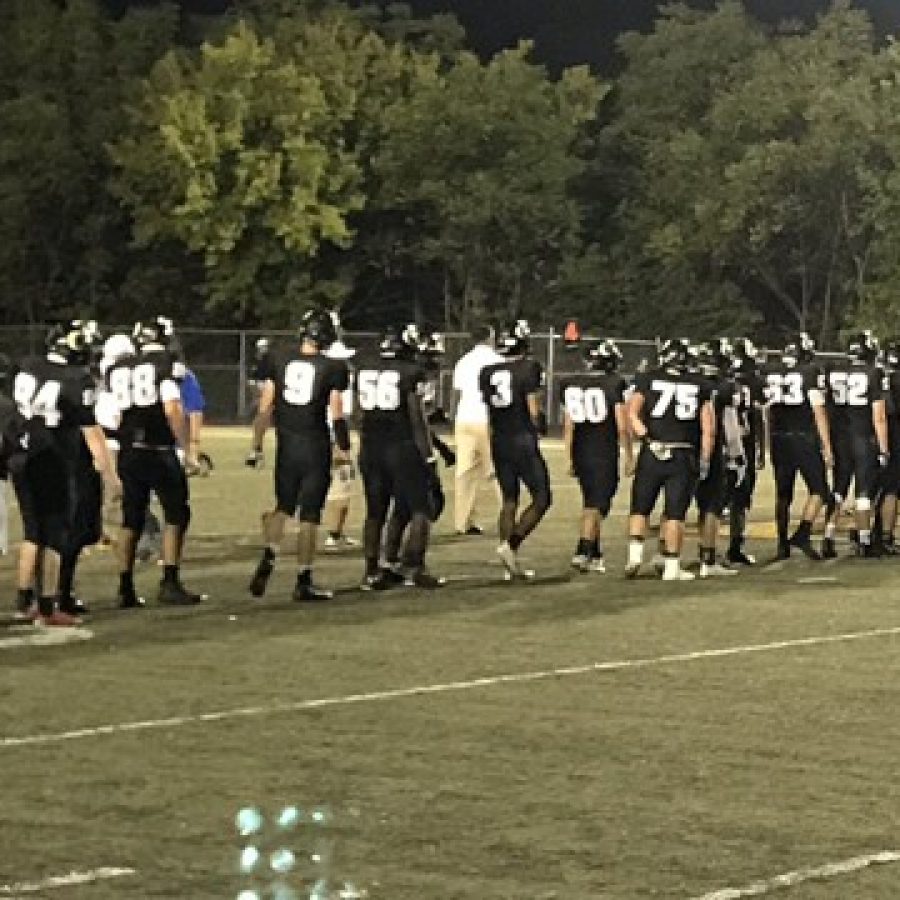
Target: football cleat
174, 593
658, 562
597, 565
261, 577
738, 557
309, 593
27, 613
129, 600
423, 579
678, 574
510, 560
57, 619
73, 606
829, 550
581, 562
716, 570
379, 581
806, 547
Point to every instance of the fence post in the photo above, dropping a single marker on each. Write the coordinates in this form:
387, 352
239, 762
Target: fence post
242, 376
551, 373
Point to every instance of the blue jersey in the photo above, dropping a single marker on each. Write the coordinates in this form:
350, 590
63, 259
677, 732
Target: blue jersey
192, 398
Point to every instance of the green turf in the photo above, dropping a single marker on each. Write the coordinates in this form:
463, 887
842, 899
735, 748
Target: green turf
670, 780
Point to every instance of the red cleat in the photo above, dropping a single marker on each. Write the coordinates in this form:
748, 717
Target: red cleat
57, 619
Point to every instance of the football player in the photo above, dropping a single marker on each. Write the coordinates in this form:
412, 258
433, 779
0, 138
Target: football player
800, 442
304, 391
859, 435
670, 413
512, 392
890, 486
62, 453
750, 400
153, 441
728, 453
595, 428
395, 455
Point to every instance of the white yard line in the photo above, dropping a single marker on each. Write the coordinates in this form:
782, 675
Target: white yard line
44, 637
816, 873
439, 688
62, 881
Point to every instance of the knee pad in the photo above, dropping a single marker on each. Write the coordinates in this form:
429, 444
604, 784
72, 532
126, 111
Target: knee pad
863, 504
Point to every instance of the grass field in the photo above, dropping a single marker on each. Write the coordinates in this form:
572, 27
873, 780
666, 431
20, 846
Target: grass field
725, 741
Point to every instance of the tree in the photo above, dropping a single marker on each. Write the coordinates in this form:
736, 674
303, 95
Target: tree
238, 155
64, 72
474, 176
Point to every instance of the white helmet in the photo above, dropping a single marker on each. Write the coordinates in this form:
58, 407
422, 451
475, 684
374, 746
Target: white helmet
118, 345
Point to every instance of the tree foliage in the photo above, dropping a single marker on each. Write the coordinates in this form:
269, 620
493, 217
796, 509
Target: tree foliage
734, 178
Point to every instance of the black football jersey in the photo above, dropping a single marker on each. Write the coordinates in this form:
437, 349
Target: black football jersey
506, 387
892, 394
383, 391
142, 384
303, 387
852, 390
749, 396
672, 405
590, 401
788, 391
56, 401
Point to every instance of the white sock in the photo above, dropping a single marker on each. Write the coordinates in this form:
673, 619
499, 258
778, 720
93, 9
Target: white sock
672, 566
865, 537
635, 553
829, 531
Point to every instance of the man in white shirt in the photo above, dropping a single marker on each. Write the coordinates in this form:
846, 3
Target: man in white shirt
473, 442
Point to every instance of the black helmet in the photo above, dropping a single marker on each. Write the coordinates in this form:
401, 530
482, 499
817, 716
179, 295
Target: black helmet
157, 333
677, 354
891, 354
514, 338
321, 327
400, 342
602, 356
863, 347
432, 349
801, 350
73, 341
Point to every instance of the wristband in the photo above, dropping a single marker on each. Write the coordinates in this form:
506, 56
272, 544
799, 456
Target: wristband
341, 434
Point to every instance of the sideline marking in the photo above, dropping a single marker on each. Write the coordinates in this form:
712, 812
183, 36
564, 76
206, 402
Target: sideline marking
58, 881
440, 688
816, 873
45, 637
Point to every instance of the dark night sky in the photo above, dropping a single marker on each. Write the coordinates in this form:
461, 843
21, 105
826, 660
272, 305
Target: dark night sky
575, 31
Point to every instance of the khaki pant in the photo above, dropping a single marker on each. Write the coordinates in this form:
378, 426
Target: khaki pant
473, 468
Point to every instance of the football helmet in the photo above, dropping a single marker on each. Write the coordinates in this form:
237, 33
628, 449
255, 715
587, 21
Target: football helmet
863, 347
602, 356
322, 327
400, 342
74, 341
676, 354
157, 333
513, 339
118, 345
801, 350
891, 355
